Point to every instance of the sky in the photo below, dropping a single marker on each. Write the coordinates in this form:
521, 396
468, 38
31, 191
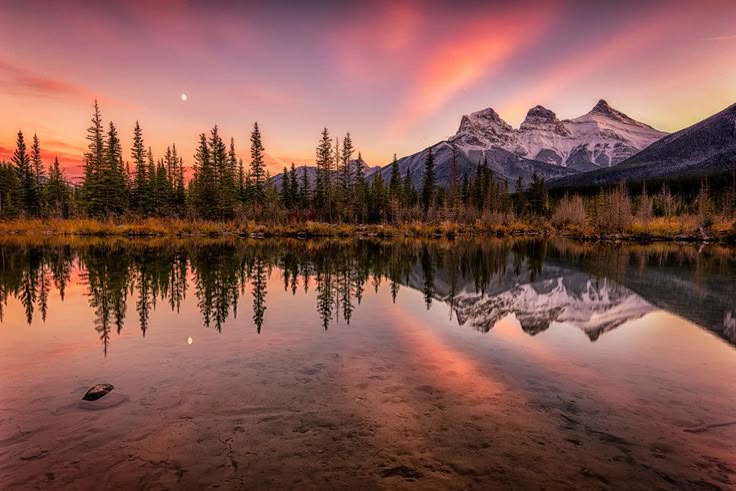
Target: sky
397, 75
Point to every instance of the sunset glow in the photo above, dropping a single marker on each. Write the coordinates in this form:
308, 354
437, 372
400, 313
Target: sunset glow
397, 75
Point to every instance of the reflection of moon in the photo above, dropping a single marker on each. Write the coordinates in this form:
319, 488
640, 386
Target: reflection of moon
183, 97
190, 340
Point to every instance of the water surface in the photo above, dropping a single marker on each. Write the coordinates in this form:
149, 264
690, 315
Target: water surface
365, 363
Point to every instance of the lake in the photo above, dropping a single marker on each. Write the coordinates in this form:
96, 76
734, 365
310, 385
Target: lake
488, 363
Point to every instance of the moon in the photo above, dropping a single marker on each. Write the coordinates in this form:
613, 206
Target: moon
190, 340
183, 97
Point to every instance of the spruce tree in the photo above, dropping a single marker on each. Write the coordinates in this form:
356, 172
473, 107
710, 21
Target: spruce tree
203, 185
305, 195
378, 198
362, 191
113, 174
10, 190
57, 191
140, 194
286, 188
323, 190
223, 197
23, 166
395, 182
39, 174
407, 190
93, 166
241, 181
428, 181
294, 188
257, 164
346, 167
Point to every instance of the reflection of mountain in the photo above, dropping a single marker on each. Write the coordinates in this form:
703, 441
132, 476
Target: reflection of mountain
709, 301
581, 292
553, 295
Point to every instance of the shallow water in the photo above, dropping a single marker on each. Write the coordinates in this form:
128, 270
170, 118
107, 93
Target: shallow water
367, 364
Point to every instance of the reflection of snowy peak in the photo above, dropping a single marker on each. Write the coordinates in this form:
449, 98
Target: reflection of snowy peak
601, 138
573, 299
536, 300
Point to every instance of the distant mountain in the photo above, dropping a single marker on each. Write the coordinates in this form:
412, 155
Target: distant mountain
706, 147
312, 173
544, 144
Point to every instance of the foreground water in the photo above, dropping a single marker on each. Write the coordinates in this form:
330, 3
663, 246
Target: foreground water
366, 364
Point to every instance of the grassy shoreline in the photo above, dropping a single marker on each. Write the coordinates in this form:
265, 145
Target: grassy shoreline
674, 229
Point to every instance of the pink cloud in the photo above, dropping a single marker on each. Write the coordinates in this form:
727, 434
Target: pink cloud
475, 50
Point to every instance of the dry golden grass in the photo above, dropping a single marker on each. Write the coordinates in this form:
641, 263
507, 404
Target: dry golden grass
682, 227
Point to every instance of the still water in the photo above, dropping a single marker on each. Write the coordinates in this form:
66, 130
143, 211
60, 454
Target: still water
367, 364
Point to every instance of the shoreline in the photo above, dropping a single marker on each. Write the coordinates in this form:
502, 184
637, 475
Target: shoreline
307, 230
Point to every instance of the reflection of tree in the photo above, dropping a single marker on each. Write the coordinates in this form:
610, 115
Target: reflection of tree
107, 274
258, 284
428, 273
339, 270
217, 271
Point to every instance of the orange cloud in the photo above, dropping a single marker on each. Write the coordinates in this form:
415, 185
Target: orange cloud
364, 56
458, 61
620, 46
21, 81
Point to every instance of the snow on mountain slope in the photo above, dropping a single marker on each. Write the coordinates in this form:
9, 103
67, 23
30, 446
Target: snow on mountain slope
707, 147
601, 138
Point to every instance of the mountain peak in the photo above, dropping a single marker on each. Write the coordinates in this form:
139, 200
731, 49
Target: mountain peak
541, 118
483, 125
603, 108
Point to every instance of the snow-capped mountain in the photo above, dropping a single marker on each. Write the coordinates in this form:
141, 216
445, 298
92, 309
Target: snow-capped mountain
707, 147
543, 144
601, 138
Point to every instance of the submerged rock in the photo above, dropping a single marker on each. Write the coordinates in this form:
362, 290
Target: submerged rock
97, 392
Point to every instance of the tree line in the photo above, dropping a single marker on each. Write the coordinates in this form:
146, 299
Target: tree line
338, 190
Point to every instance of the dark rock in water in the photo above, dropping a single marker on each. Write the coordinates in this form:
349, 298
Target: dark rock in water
97, 392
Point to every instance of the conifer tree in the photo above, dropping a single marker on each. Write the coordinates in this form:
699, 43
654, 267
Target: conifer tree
241, 181
428, 181
23, 166
57, 191
39, 174
294, 188
407, 191
257, 165
113, 174
10, 190
140, 192
395, 182
362, 191
286, 188
305, 195
379, 198
203, 185
93, 166
346, 168
323, 190
453, 185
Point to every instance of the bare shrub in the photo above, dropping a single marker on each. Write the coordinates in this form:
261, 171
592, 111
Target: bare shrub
569, 211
